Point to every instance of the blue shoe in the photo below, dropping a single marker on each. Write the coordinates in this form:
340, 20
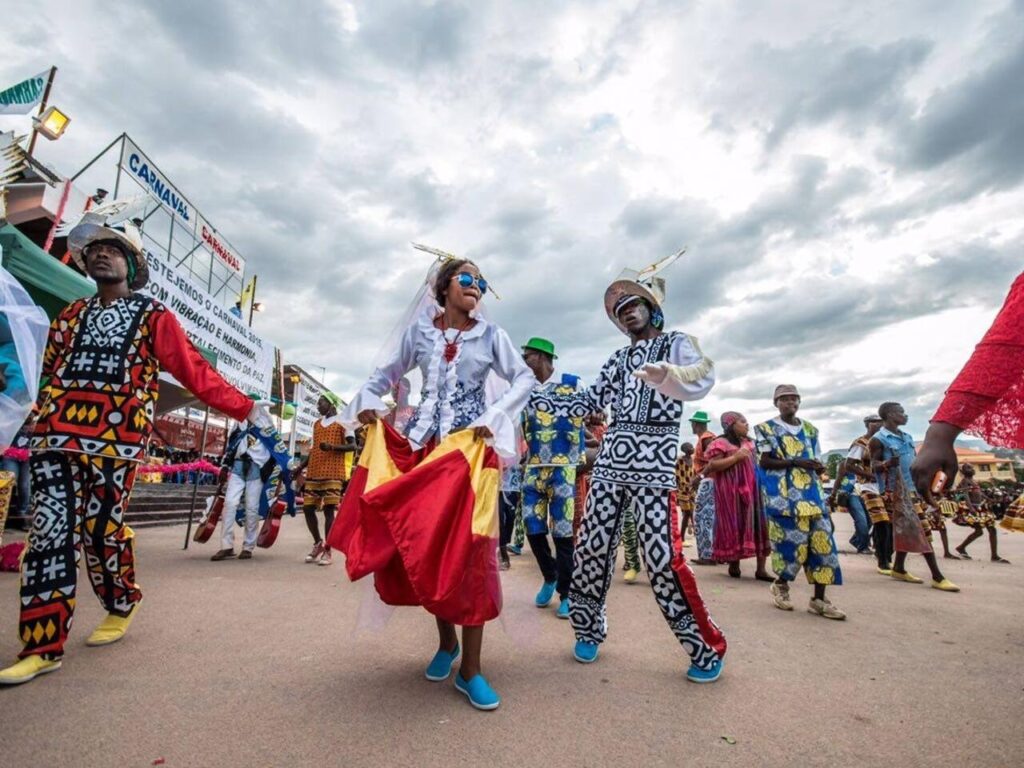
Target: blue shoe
478, 691
546, 593
440, 666
584, 652
563, 609
512, 548
697, 675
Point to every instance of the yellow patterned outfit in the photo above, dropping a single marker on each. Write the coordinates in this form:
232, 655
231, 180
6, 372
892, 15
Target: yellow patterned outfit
326, 472
799, 526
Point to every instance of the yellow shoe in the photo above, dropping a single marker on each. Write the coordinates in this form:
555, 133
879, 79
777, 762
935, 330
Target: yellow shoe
907, 577
112, 628
27, 669
885, 571
945, 585
630, 575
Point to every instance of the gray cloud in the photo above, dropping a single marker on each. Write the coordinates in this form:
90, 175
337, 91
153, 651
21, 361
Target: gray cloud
814, 82
976, 121
415, 37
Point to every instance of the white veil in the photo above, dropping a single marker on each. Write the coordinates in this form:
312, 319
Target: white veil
423, 300
23, 330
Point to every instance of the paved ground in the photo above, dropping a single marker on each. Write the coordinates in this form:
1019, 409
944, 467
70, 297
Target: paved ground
275, 663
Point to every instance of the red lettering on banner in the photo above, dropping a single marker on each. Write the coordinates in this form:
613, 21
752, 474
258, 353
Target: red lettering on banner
215, 245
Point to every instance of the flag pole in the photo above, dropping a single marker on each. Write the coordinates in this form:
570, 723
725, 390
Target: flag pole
42, 108
252, 299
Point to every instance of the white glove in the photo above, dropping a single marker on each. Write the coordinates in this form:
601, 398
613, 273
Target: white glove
259, 416
652, 374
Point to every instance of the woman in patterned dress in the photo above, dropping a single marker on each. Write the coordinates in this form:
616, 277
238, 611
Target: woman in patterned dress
974, 513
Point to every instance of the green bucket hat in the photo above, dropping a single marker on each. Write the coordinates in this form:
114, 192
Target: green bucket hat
701, 417
541, 345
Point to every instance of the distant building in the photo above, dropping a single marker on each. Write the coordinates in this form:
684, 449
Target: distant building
987, 466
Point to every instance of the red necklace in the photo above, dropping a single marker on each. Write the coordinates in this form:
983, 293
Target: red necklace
451, 348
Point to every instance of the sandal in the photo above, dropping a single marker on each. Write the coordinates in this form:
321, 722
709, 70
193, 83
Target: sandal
734, 570
762, 576
963, 555
998, 559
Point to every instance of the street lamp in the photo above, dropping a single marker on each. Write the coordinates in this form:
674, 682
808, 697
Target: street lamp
52, 123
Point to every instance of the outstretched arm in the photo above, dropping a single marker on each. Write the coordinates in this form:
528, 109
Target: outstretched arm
583, 402
986, 398
179, 356
687, 375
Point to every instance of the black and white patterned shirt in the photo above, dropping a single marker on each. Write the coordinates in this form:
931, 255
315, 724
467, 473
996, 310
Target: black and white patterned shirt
642, 442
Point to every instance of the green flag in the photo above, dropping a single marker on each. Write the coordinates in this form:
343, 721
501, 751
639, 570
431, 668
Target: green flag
21, 98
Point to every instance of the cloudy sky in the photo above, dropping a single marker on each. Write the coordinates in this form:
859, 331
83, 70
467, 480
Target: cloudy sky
847, 176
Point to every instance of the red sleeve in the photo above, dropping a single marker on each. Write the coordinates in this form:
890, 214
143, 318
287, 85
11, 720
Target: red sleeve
987, 397
182, 360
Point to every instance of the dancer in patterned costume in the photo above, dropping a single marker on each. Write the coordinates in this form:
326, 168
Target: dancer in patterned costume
1013, 520
858, 482
325, 472
892, 452
704, 499
799, 525
256, 461
973, 512
554, 451
100, 372
685, 477
644, 384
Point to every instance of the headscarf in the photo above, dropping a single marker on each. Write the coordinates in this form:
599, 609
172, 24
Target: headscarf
331, 398
729, 418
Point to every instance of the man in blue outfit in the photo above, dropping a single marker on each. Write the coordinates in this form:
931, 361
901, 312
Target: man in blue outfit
554, 450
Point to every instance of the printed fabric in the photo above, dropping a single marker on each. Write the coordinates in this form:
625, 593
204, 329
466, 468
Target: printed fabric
102, 364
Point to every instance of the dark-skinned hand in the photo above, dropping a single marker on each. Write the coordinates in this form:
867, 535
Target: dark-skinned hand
936, 453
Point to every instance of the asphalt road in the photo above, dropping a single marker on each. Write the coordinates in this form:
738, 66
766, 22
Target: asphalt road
273, 662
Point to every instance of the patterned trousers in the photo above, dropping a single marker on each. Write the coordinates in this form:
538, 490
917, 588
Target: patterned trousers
78, 503
549, 493
674, 585
704, 519
807, 544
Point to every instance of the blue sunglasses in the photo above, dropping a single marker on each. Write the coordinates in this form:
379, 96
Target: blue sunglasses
465, 280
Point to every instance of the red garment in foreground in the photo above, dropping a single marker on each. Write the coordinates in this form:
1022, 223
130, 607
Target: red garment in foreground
987, 397
425, 524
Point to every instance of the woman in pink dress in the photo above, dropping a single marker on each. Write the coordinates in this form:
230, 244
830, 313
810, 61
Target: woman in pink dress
741, 530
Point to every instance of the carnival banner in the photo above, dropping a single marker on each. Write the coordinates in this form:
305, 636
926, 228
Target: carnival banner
135, 162
243, 358
20, 99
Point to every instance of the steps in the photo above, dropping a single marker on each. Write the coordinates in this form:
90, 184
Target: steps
165, 504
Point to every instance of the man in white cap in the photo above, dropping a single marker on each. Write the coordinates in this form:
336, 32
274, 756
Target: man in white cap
100, 384
644, 384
